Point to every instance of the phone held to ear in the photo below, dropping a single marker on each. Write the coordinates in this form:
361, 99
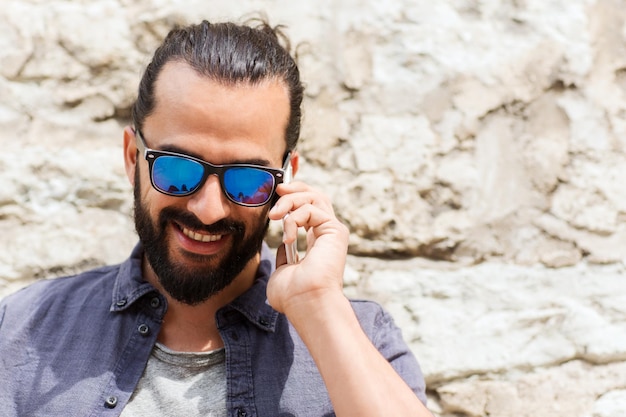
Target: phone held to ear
291, 249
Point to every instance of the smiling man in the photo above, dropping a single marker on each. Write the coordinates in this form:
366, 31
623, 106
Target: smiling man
201, 320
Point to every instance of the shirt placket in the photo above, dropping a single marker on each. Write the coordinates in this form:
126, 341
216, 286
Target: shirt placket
128, 371
240, 386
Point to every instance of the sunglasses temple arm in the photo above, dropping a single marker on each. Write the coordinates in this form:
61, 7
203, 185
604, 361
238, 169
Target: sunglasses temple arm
140, 143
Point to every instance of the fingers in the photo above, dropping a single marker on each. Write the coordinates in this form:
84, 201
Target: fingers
296, 195
303, 206
307, 216
313, 219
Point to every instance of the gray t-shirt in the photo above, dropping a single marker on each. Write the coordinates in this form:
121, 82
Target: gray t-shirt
185, 384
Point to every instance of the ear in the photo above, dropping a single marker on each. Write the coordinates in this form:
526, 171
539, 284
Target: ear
130, 154
295, 159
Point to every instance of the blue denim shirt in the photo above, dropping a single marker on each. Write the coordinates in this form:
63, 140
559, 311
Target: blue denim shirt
77, 346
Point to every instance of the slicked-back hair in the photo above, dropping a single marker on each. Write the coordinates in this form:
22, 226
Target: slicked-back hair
230, 54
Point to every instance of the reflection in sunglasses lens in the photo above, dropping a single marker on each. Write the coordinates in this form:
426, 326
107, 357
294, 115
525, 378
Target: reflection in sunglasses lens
176, 175
248, 185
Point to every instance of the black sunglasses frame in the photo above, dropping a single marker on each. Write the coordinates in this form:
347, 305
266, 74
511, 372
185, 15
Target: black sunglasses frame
151, 155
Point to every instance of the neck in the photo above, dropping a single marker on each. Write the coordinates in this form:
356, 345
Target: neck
188, 328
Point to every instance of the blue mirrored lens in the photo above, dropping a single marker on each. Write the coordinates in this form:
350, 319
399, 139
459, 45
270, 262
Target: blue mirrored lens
248, 185
176, 175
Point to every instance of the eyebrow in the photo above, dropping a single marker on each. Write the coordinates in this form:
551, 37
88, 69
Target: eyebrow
248, 161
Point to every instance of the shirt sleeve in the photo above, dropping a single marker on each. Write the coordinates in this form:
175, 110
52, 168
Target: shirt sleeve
3, 308
387, 338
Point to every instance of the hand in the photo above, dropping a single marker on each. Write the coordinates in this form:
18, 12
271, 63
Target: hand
320, 273
360, 381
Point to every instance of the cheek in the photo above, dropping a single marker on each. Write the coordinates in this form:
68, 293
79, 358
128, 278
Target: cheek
140, 189
151, 200
254, 219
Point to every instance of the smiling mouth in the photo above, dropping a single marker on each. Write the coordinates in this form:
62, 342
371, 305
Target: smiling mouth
200, 237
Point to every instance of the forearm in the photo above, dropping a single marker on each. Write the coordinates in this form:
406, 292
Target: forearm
360, 381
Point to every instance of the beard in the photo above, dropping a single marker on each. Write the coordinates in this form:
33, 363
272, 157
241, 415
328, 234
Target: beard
195, 281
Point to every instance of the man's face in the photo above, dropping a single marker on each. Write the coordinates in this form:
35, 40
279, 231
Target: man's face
199, 244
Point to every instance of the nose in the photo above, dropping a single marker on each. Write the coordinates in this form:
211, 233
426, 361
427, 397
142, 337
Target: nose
209, 203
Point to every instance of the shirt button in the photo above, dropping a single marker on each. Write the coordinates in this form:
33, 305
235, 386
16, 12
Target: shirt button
111, 401
241, 413
121, 303
264, 322
143, 329
155, 302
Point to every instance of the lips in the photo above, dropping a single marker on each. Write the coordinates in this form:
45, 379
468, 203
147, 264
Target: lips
194, 237
200, 237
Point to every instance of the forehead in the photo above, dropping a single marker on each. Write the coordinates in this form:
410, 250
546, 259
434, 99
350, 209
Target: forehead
243, 116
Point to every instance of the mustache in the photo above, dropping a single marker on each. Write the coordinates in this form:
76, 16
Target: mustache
190, 221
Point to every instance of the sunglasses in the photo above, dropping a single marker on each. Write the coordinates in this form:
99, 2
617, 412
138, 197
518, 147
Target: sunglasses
181, 175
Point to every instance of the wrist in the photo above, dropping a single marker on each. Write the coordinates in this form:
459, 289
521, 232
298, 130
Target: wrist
317, 309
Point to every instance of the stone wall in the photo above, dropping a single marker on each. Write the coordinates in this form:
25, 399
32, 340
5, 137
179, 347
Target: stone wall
476, 149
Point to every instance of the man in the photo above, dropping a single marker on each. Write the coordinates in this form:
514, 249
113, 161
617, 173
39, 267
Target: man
197, 322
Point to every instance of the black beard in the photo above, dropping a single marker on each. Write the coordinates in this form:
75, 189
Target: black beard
188, 283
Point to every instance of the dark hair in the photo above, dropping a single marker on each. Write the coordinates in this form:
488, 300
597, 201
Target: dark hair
231, 54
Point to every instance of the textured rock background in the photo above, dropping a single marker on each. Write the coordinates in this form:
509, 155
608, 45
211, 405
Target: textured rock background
476, 149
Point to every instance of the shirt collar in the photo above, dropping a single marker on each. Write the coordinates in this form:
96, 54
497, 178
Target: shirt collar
253, 303
129, 284
130, 287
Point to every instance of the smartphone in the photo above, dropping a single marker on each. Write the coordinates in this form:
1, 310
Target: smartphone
291, 249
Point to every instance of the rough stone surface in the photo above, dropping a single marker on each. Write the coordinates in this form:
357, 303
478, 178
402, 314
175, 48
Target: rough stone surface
509, 340
476, 150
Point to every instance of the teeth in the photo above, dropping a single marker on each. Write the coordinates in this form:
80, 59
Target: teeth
200, 237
